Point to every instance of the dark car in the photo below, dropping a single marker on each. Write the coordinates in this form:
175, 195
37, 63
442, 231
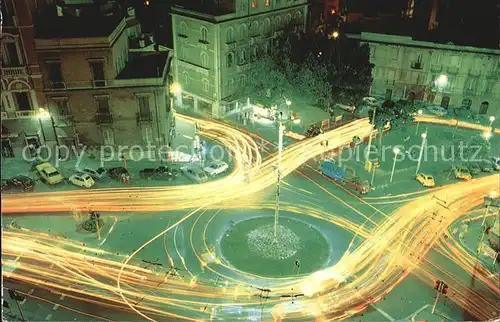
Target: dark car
160, 173
119, 173
313, 131
18, 183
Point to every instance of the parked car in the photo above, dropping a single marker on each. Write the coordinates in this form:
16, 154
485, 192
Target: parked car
216, 167
348, 108
437, 110
119, 173
486, 166
160, 173
496, 163
82, 180
194, 173
474, 168
313, 131
372, 101
96, 174
48, 173
18, 183
461, 172
425, 179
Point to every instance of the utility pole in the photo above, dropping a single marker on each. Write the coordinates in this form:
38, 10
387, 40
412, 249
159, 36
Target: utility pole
278, 170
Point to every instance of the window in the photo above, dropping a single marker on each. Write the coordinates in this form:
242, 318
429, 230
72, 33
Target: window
183, 29
298, 18
185, 77
391, 75
229, 60
205, 84
267, 3
204, 35
484, 108
108, 137
23, 101
455, 61
466, 103
204, 59
183, 52
254, 28
255, 50
143, 102
470, 84
230, 35
243, 57
266, 27
277, 23
55, 75
10, 54
243, 31
98, 73
62, 106
7, 13
255, 3
147, 135
242, 80
265, 48
436, 58
231, 84
103, 105
288, 19
394, 53
417, 63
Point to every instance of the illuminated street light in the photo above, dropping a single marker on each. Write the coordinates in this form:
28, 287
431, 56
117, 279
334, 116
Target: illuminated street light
493, 194
45, 115
492, 119
175, 88
296, 121
419, 112
424, 137
441, 81
487, 135
335, 34
396, 151
288, 102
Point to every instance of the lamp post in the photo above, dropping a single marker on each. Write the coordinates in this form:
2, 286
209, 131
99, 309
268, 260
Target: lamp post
492, 119
396, 151
371, 135
420, 112
487, 135
424, 137
44, 114
278, 181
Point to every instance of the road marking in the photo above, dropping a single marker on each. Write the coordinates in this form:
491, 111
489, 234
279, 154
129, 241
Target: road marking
56, 306
390, 318
48, 317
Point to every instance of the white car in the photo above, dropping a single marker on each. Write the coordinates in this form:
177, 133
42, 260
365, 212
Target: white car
97, 174
194, 173
82, 180
372, 101
216, 167
349, 108
437, 110
496, 163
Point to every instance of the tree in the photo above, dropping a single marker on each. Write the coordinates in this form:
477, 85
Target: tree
474, 149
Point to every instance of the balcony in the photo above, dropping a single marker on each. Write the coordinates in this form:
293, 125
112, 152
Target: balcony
14, 71
452, 70
26, 114
103, 118
144, 117
436, 68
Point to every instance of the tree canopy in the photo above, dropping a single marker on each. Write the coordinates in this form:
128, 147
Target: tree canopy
398, 114
319, 69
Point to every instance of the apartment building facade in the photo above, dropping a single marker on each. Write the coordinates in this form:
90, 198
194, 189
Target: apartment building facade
214, 46
97, 90
441, 74
21, 96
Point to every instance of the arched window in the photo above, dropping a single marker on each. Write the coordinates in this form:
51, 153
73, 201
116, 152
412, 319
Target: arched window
266, 27
288, 19
231, 84
230, 35
243, 57
185, 77
242, 81
255, 50
183, 29
298, 17
182, 53
265, 48
229, 60
206, 84
204, 34
254, 28
243, 31
277, 23
204, 59
484, 108
466, 103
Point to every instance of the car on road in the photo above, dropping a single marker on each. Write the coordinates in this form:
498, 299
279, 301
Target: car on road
82, 180
486, 165
496, 163
437, 110
474, 168
462, 172
372, 101
425, 179
18, 183
160, 173
48, 173
194, 173
216, 167
348, 108
119, 173
97, 174
313, 131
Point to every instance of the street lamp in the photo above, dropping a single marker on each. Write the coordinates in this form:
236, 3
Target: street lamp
396, 151
44, 114
278, 181
487, 135
492, 119
424, 137
335, 34
419, 112
175, 89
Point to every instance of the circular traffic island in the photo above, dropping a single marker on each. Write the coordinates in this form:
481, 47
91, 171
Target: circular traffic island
251, 246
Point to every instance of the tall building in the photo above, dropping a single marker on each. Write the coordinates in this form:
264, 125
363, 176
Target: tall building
442, 74
105, 82
216, 41
21, 96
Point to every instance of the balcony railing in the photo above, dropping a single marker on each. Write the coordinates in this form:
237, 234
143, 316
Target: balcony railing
144, 117
103, 118
416, 65
26, 114
452, 69
14, 71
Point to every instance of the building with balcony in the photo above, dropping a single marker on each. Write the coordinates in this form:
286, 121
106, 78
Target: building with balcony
215, 43
441, 74
21, 97
105, 83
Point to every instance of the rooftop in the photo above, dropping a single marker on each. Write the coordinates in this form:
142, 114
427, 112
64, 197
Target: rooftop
150, 65
85, 21
215, 8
